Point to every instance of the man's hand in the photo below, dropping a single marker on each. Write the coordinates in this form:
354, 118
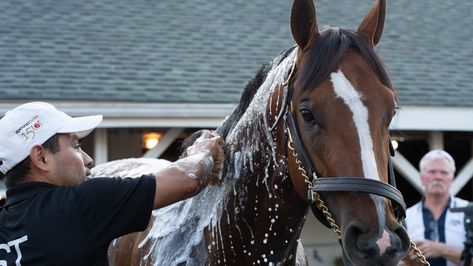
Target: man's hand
212, 144
186, 177
429, 248
432, 249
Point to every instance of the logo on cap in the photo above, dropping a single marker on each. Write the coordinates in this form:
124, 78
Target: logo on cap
28, 129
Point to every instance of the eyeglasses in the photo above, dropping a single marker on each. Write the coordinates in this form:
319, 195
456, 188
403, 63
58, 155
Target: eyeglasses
433, 231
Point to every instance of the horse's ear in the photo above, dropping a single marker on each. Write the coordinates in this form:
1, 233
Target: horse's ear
304, 23
372, 25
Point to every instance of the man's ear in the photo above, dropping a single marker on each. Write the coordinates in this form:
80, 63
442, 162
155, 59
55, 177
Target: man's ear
39, 158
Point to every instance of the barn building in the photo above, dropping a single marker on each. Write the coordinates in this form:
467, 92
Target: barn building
164, 69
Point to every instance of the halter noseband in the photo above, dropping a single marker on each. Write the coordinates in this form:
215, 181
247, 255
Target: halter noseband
315, 185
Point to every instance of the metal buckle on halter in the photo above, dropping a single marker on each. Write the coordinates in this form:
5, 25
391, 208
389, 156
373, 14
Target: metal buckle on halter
311, 191
310, 195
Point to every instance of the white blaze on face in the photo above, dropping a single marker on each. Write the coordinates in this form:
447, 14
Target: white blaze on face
344, 89
352, 99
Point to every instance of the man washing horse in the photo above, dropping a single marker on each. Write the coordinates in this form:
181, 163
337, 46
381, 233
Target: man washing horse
311, 128
55, 214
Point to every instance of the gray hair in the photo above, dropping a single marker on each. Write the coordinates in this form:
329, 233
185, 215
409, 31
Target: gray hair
437, 155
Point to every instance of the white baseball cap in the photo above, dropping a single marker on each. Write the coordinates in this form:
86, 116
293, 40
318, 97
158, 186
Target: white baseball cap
33, 124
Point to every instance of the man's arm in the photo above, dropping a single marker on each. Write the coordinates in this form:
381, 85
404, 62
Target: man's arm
188, 176
432, 249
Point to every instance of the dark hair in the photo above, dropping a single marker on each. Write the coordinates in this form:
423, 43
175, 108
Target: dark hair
325, 56
19, 172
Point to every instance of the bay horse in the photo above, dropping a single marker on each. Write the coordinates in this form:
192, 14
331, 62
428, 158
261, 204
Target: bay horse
311, 130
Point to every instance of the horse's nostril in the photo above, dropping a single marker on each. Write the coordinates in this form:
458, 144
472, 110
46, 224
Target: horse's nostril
363, 244
367, 245
404, 240
356, 237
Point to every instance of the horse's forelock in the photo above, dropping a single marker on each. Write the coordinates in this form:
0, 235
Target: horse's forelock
324, 57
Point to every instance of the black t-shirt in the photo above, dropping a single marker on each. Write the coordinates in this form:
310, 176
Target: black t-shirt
44, 224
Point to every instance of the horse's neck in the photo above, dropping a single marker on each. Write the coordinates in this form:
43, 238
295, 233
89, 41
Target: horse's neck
263, 207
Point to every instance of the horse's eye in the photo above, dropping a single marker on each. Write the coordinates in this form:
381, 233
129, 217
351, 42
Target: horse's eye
307, 116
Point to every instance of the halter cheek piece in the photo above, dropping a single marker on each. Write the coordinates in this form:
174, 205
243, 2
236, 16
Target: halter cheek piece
342, 184
317, 185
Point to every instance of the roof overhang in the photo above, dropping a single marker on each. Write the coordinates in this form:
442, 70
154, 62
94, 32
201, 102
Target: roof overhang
139, 115
433, 119
202, 115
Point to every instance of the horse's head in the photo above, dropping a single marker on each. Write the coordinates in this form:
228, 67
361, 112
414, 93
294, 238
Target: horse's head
342, 103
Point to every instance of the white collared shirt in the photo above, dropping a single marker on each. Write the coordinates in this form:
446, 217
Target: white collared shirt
455, 234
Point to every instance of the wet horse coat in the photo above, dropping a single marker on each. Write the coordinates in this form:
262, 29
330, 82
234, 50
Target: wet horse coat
342, 101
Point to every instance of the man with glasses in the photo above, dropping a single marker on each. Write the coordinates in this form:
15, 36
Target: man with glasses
438, 232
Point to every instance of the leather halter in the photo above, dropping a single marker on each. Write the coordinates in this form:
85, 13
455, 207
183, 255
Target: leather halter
344, 184
336, 184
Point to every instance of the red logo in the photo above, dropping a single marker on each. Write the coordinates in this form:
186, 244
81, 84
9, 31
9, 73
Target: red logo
37, 125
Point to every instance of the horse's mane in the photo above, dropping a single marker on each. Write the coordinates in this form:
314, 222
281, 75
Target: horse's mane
324, 57
250, 90
245, 99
